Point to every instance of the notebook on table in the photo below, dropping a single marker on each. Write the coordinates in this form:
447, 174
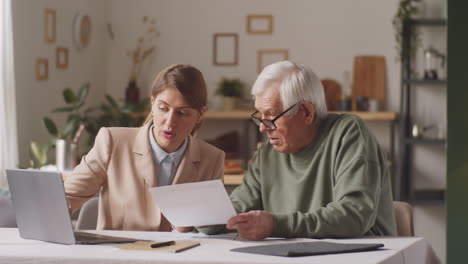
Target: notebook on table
300, 249
42, 211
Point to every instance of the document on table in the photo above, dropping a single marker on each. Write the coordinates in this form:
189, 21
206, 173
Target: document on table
194, 204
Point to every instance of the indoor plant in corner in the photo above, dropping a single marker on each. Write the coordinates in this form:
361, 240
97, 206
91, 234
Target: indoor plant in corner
231, 91
407, 9
66, 143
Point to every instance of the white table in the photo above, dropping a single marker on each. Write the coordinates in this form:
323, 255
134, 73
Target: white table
213, 249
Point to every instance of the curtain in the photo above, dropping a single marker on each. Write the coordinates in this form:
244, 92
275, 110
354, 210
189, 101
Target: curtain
8, 135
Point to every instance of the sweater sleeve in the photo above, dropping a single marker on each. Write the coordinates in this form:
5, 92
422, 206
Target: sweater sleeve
247, 196
357, 183
351, 214
88, 177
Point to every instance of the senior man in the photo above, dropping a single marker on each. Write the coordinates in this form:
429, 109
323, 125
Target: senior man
320, 175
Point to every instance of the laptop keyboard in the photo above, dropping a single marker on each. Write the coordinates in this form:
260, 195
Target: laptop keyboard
90, 238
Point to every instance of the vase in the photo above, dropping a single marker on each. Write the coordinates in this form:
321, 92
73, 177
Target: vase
132, 93
229, 103
66, 155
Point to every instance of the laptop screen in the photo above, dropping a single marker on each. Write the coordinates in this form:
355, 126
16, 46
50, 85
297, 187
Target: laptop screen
40, 205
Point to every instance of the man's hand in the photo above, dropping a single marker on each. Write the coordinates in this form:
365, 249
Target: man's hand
183, 229
253, 225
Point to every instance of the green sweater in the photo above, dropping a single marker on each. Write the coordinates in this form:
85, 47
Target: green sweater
338, 186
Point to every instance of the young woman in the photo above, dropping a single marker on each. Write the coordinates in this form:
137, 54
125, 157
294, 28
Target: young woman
125, 162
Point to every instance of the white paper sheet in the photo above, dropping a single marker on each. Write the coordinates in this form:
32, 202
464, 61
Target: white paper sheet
194, 204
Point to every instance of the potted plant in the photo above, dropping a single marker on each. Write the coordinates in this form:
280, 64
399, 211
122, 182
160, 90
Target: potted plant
66, 140
38, 154
406, 9
146, 45
230, 90
111, 114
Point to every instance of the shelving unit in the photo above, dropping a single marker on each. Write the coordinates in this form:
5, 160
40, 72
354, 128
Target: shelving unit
403, 181
245, 115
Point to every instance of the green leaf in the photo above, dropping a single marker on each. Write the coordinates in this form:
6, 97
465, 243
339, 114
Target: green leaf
84, 90
112, 101
50, 126
39, 155
73, 116
77, 107
127, 109
68, 108
50, 146
105, 108
69, 96
142, 106
71, 125
64, 109
90, 109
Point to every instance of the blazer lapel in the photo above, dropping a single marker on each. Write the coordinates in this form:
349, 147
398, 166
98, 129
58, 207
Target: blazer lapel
188, 170
144, 161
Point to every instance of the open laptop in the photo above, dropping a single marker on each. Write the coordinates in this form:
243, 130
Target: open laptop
42, 211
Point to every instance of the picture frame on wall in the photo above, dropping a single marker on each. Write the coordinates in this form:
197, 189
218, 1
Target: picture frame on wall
268, 56
225, 49
61, 58
42, 69
259, 24
50, 25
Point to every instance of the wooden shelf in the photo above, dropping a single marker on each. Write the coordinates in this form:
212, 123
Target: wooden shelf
425, 82
371, 116
428, 196
245, 114
236, 114
427, 141
233, 179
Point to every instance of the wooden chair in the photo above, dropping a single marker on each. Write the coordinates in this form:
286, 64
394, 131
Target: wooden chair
404, 218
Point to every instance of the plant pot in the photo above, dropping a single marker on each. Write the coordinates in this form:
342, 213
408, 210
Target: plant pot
229, 103
66, 154
132, 93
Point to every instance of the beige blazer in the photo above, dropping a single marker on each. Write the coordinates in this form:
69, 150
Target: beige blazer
121, 167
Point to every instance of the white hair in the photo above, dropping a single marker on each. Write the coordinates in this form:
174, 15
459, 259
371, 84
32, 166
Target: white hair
298, 84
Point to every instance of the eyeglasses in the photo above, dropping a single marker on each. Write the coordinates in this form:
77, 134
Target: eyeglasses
269, 123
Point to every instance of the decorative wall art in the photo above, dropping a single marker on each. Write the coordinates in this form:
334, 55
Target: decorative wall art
81, 30
61, 57
225, 49
266, 57
260, 24
42, 69
50, 28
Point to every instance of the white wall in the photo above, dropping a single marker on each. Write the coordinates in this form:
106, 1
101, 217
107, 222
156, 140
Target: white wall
37, 99
325, 34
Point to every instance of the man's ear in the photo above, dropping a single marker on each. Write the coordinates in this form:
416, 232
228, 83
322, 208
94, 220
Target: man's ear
309, 112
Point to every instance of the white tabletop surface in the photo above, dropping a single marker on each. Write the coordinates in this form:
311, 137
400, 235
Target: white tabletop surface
213, 249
